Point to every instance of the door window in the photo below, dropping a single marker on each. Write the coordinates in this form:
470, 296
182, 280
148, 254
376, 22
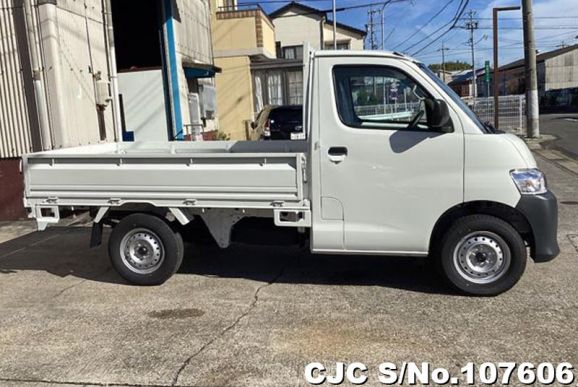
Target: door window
372, 97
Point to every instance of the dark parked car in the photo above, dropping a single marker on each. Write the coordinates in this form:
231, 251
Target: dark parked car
280, 123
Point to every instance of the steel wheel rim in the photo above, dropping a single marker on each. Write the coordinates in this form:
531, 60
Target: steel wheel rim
142, 251
482, 257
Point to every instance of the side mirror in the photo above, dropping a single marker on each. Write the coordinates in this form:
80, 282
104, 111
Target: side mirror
438, 115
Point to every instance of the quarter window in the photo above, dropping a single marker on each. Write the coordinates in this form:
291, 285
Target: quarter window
379, 98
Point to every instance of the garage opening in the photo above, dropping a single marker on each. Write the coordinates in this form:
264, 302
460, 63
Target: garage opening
143, 84
137, 34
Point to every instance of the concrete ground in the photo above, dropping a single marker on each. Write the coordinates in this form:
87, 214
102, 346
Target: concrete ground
256, 316
565, 129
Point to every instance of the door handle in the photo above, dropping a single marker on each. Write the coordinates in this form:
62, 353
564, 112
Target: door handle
337, 154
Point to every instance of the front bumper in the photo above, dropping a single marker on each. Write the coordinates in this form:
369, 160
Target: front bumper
541, 211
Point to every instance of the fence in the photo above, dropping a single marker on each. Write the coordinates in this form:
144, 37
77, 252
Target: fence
512, 112
401, 111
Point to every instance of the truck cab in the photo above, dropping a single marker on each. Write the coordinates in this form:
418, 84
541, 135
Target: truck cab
395, 182
394, 164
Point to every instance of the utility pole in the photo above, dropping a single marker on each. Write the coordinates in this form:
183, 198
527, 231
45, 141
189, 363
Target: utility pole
497, 65
371, 28
382, 29
334, 25
533, 116
443, 50
472, 26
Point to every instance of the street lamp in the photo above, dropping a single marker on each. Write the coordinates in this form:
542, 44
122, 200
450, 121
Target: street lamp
496, 64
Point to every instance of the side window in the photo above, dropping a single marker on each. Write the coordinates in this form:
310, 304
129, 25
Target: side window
374, 97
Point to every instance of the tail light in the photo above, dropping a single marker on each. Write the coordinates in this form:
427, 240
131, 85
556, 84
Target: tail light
267, 129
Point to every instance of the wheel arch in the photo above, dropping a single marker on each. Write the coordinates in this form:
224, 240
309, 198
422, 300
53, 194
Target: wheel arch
501, 211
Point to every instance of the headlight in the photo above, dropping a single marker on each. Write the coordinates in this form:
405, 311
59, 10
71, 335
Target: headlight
529, 181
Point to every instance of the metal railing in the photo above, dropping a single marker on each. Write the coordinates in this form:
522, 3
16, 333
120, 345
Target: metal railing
397, 110
241, 7
512, 112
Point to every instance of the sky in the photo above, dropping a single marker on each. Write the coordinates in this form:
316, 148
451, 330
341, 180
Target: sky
407, 28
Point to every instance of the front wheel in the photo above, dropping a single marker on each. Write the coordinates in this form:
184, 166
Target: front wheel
482, 255
144, 249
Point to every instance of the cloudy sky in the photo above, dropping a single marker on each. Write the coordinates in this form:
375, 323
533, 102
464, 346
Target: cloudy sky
407, 28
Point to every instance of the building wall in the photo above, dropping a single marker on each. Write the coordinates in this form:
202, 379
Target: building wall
234, 95
268, 35
71, 47
15, 137
235, 34
243, 32
239, 36
294, 30
75, 53
356, 43
562, 71
192, 21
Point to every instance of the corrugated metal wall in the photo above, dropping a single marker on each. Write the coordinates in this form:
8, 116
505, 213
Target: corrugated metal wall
562, 71
194, 31
193, 43
81, 53
14, 126
72, 38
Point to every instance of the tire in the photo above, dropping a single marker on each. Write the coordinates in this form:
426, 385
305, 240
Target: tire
482, 255
145, 250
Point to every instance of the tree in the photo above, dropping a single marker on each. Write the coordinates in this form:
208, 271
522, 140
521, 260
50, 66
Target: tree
451, 66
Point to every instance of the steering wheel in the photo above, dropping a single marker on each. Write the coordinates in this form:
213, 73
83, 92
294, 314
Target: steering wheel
415, 120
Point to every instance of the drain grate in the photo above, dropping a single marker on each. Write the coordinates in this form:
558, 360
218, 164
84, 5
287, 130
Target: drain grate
570, 203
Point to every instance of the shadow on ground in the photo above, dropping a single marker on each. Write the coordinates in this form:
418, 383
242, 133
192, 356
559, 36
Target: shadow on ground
64, 252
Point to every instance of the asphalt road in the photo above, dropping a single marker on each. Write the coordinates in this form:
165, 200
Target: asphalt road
565, 128
255, 316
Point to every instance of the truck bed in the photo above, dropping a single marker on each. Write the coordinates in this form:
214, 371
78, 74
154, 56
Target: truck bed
256, 175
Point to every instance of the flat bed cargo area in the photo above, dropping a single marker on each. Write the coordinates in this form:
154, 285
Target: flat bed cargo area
186, 174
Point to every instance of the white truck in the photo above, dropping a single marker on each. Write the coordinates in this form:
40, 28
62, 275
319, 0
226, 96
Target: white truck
441, 185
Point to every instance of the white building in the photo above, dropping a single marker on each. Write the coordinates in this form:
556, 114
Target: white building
296, 23
58, 76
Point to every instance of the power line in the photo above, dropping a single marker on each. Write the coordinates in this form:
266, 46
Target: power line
462, 7
424, 25
346, 8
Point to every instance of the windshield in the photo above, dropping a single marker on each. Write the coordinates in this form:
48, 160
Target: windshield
452, 94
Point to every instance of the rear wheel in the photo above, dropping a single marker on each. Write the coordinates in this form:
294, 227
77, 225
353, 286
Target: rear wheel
145, 250
482, 255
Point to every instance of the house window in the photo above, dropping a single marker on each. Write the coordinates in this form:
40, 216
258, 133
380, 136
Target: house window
293, 52
295, 87
275, 88
340, 45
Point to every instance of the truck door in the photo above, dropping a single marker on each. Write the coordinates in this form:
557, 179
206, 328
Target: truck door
388, 179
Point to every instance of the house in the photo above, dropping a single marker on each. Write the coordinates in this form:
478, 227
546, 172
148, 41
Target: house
296, 23
261, 57
462, 83
78, 73
557, 69
241, 36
